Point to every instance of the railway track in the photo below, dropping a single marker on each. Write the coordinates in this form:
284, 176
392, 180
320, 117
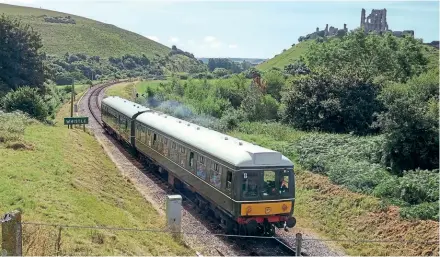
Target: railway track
248, 246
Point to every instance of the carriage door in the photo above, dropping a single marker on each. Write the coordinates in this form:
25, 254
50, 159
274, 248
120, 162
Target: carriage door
192, 162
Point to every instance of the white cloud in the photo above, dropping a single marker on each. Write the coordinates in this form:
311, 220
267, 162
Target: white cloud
174, 39
233, 46
154, 38
209, 39
191, 42
212, 42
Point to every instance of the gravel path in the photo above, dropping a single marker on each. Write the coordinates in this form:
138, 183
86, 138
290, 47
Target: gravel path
192, 221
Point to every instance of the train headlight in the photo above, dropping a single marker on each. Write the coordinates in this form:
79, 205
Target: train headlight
284, 207
248, 209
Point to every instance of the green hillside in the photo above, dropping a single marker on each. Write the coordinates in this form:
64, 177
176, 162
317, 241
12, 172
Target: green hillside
293, 53
286, 57
86, 36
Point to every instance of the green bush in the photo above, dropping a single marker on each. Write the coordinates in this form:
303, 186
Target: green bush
28, 100
422, 211
331, 103
410, 123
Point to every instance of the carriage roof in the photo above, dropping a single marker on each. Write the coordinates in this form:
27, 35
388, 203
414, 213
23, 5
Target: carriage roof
229, 149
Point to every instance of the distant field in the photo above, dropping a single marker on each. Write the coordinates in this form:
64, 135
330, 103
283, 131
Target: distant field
66, 178
285, 58
86, 36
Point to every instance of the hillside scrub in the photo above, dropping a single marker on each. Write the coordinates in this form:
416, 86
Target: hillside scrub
355, 162
369, 56
410, 123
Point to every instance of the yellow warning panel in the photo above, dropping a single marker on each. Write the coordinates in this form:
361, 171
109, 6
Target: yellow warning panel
265, 208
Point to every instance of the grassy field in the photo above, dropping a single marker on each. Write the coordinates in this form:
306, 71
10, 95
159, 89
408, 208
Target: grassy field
285, 58
63, 176
86, 36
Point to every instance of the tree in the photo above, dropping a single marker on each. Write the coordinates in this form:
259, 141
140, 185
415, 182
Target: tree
368, 56
410, 123
275, 82
220, 72
331, 103
259, 107
21, 62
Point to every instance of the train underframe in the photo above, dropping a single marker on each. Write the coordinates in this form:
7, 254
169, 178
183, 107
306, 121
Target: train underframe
251, 225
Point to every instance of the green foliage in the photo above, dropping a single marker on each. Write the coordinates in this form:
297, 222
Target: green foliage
422, 211
275, 82
20, 56
259, 107
12, 125
230, 65
410, 123
331, 103
355, 162
28, 100
297, 68
220, 72
368, 56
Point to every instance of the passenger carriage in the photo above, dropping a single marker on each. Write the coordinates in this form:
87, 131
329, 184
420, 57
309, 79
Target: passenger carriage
247, 187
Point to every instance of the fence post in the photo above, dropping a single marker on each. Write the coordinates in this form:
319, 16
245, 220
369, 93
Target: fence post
11, 234
174, 214
298, 240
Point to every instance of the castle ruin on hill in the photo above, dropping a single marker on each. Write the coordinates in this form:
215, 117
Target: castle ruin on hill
376, 22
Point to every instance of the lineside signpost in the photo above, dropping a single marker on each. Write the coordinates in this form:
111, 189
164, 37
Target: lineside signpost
76, 121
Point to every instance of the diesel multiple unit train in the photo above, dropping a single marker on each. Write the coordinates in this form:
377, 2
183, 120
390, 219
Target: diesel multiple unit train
249, 189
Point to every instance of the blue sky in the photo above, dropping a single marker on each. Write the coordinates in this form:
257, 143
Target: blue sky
242, 28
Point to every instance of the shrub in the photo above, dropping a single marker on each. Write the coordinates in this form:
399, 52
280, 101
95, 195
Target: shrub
422, 211
331, 103
411, 123
27, 100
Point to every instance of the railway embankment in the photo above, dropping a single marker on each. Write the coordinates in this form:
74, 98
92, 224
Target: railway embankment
57, 175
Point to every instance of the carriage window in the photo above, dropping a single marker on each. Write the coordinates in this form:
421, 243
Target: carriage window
229, 180
250, 184
215, 178
165, 141
182, 149
174, 146
201, 159
215, 166
269, 183
284, 182
191, 159
154, 138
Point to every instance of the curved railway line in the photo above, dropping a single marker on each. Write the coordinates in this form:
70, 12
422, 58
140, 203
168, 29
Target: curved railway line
248, 246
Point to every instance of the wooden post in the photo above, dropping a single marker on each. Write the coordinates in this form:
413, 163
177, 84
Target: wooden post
71, 105
11, 234
298, 240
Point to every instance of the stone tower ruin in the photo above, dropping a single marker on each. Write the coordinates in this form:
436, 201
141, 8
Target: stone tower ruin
375, 21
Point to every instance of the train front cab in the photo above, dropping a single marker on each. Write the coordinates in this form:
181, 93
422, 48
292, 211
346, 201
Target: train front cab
267, 199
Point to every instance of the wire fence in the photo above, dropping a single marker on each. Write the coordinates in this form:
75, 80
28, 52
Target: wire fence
43, 239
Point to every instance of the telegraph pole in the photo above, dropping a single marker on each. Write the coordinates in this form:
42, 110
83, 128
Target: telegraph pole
72, 99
